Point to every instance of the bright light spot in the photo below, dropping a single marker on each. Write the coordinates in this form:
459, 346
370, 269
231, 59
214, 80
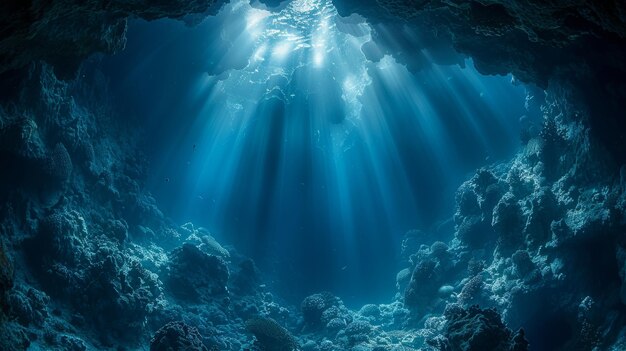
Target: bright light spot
349, 84
319, 48
282, 49
255, 21
353, 87
259, 53
255, 17
292, 37
386, 63
318, 59
304, 5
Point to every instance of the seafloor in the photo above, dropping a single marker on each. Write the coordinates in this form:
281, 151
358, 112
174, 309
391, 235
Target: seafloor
89, 262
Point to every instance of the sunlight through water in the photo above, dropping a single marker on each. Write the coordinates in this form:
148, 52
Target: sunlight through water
306, 148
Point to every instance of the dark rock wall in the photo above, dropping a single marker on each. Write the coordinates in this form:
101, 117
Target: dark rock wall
63, 33
88, 261
539, 238
581, 45
62, 213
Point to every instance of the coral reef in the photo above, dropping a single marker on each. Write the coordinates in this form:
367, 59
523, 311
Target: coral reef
88, 261
177, 336
313, 308
270, 335
112, 273
521, 228
59, 164
424, 284
476, 329
195, 275
95, 272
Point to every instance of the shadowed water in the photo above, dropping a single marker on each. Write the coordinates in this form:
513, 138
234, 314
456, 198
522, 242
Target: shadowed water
282, 137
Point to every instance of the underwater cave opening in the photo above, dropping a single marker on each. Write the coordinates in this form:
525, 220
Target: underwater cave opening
298, 137
312, 174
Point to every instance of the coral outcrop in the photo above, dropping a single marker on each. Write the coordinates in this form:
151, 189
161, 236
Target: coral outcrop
195, 275
177, 336
477, 329
270, 335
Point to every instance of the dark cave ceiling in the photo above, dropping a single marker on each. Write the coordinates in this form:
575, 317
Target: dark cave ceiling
579, 45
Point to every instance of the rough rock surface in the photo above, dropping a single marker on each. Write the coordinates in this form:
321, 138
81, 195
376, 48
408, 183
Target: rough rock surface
475, 329
63, 33
270, 335
84, 261
579, 44
106, 256
195, 275
6, 277
177, 336
92, 247
539, 238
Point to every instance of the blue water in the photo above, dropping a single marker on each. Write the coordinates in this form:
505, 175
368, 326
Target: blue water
278, 135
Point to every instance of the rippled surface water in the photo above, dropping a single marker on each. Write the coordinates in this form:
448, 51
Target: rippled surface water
298, 51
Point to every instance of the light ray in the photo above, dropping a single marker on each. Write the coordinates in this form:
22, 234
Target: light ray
308, 137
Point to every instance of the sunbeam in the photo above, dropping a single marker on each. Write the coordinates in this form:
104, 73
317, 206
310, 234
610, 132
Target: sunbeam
300, 134
312, 175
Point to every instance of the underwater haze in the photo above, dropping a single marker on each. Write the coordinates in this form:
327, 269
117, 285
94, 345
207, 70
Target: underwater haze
283, 138
312, 175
